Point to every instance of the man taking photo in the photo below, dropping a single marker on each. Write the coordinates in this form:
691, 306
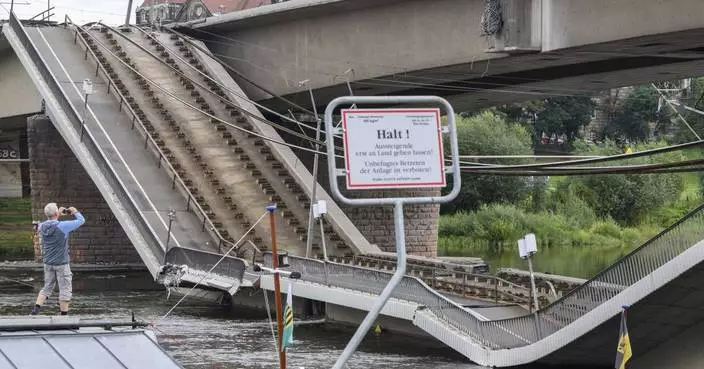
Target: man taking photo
54, 241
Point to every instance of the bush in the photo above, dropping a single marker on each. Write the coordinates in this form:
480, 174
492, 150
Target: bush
489, 134
627, 199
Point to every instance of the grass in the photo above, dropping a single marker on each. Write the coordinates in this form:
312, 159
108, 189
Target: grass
16, 229
567, 245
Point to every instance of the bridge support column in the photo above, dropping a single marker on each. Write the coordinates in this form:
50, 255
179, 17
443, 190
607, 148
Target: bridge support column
377, 223
57, 176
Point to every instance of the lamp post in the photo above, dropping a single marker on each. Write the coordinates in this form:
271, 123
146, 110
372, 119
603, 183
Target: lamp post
129, 11
527, 247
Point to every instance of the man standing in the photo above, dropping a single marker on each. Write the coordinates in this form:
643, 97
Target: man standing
54, 241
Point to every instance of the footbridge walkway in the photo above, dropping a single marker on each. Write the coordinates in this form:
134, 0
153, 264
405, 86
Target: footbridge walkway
150, 167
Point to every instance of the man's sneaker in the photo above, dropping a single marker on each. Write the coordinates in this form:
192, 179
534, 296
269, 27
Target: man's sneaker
35, 310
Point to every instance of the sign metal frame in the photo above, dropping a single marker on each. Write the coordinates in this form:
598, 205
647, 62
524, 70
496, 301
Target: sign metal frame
334, 172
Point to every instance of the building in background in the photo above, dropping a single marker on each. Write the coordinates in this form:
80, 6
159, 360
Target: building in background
163, 11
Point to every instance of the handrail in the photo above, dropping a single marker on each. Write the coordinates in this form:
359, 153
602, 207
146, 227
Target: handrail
626, 271
205, 88
462, 274
176, 178
527, 329
90, 144
373, 281
225, 88
624, 258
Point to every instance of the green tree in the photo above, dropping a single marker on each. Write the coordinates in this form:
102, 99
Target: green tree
490, 134
563, 114
693, 98
634, 114
626, 198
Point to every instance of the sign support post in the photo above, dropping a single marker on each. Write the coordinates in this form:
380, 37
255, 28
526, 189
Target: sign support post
395, 163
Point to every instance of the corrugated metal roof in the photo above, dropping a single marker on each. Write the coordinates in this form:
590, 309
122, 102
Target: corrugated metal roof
227, 6
79, 348
155, 2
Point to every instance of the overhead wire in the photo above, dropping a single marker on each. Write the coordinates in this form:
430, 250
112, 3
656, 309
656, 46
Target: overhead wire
168, 93
513, 167
675, 167
240, 75
236, 93
625, 156
229, 103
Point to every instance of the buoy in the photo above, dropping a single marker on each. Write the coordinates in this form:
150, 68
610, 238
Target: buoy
377, 329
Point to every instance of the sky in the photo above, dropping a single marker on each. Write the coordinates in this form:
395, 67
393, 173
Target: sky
111, 12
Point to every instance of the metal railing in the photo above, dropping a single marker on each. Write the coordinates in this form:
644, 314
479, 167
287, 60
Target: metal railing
177, 183
203, 261
457, 282
89, 142
524, 330
234, 267
631, 268
372, 281
149, 143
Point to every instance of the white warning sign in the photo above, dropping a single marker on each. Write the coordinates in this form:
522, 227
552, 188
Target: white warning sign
393, 148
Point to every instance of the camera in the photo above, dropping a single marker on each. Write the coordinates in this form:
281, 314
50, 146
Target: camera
65, 212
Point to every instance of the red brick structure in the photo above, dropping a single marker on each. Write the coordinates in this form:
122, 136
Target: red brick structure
57, 176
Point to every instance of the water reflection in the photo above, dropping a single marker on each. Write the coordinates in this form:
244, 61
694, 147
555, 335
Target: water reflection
201, 335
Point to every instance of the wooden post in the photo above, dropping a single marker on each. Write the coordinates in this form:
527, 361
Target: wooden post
277, 287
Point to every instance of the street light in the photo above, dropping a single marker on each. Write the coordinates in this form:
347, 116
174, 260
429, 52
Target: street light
527, 247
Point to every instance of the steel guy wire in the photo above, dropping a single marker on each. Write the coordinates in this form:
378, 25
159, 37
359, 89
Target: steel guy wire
180, 73
168, 93
271, 321
214, 266
236, 93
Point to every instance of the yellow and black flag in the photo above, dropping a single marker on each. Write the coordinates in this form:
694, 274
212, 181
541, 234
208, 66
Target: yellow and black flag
623, 351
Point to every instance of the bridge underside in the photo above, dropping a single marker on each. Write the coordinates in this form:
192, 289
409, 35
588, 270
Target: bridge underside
559, 48
490, 82
655, 324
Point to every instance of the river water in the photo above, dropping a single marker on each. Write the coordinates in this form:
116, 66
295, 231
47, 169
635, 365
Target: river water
201, 335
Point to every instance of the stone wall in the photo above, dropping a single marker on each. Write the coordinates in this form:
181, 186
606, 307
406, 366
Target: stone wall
377, 223
57, 176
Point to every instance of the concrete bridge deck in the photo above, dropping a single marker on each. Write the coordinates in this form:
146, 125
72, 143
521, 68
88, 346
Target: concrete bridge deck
545, 47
